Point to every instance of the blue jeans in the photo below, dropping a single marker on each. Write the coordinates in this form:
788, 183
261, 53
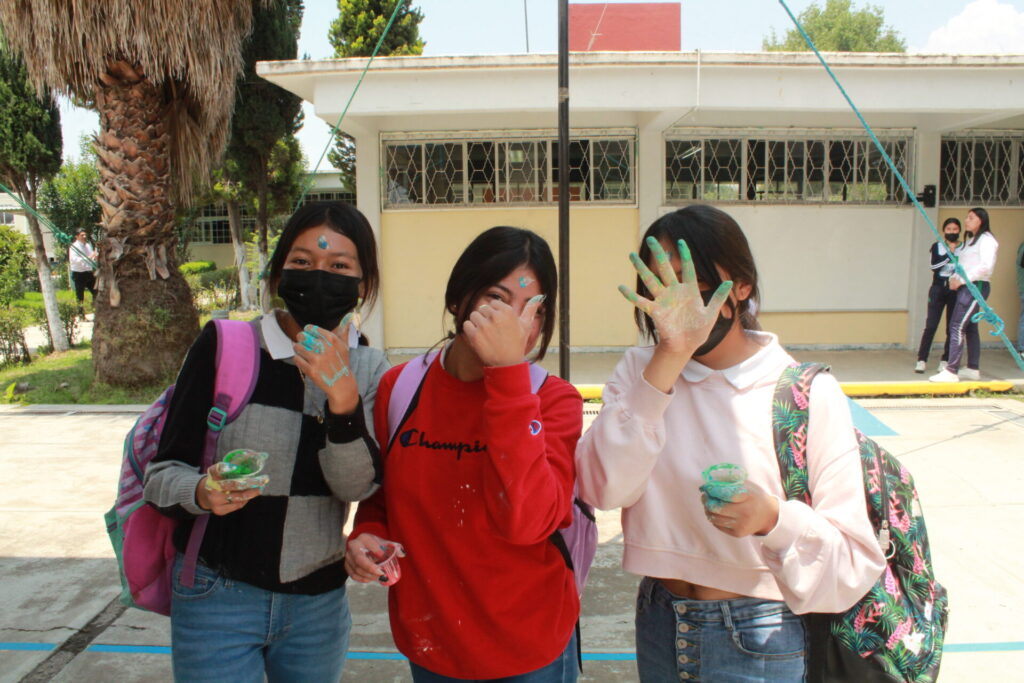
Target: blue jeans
722, 641
1020, 325
564, 669
224, 630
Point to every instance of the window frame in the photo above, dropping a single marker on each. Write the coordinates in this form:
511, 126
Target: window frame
505, 190
755, 153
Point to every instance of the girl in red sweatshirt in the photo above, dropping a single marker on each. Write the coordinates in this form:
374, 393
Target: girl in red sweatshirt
478, 476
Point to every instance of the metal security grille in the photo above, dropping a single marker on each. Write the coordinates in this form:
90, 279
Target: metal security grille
436, 169
329, 197
781, 168
983, 168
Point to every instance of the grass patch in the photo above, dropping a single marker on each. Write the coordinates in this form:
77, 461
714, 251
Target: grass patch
67, 378
35, 299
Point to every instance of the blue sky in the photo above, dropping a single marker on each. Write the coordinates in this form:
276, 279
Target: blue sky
459, 27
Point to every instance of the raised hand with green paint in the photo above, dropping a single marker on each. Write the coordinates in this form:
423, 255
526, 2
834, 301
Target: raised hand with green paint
682, 319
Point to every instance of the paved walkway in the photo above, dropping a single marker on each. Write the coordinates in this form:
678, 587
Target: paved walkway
59, 619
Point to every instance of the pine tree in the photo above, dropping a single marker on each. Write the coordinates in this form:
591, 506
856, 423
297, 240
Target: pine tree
30, 152
354, 34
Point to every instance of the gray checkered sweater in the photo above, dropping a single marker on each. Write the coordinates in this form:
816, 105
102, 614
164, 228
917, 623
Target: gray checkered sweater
290, 538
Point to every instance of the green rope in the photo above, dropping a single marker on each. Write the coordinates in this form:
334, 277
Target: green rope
985, 312
62, 237
312, 174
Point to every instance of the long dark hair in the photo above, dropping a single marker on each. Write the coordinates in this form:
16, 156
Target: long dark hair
342, 218
983, 215
488, 259
713, 237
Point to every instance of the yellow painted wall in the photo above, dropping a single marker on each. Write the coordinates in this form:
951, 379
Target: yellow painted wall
221, 254
1008, 227
419, 249
839, 328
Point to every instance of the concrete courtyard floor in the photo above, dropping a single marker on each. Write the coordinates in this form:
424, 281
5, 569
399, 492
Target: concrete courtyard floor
59, 618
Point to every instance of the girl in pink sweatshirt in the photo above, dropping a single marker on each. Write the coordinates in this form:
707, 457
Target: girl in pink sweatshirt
722, 583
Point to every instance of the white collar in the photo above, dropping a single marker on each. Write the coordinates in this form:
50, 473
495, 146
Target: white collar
279, 346
746, 373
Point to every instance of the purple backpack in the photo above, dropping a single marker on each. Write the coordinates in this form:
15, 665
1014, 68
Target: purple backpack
578, 541
143, 537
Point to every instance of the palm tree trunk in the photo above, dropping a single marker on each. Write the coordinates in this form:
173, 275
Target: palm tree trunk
238, 244
53, 321
145, 318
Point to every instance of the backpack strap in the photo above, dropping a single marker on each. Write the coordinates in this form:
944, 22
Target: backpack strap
237, 368
406, 392
790, 419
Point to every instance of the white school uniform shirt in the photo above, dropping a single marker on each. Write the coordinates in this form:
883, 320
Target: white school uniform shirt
979, 259
646, 451
82, 257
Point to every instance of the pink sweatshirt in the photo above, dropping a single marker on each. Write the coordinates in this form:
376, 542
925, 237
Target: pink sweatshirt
645, 453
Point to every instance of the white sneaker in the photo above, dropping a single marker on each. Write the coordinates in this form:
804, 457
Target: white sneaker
944, 376
968, 373
942, 365
920, 367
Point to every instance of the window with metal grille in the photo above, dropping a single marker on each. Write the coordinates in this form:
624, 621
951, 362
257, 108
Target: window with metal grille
6, 218
339, 196
982, 168
212, 226
809, 167
510, 169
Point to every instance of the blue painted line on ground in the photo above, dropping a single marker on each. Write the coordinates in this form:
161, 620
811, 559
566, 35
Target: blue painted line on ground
983, 647
868, 423
1010, 646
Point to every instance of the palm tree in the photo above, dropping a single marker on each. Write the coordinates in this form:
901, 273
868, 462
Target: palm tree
162, 76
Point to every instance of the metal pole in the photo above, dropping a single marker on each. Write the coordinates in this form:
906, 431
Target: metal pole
526, 25
563, 188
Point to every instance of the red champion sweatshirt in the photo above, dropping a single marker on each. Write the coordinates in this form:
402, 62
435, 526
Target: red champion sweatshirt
476, 480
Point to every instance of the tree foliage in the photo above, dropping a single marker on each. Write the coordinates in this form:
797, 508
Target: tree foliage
69, 198
30, 136
30, 152
840, 28
264, 113
354, 34
15, 263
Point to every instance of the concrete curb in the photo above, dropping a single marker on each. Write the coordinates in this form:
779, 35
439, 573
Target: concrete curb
857, 389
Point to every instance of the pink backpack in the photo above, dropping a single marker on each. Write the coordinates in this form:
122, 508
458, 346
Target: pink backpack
578, 541
141, 535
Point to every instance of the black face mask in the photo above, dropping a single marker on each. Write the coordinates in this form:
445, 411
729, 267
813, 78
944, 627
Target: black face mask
721, 327
318, 297
952, 236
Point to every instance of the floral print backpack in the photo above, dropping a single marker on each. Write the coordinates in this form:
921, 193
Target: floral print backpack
895, 632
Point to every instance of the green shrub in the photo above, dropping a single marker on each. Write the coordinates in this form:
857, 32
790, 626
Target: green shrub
13, 348
223, 277
193, 267
15, 264
68, 312
216, 289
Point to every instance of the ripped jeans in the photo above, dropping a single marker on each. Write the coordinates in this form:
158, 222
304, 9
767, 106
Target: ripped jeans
723, 641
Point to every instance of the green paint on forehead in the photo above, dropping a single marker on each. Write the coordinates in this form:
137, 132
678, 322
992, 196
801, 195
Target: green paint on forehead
321, 242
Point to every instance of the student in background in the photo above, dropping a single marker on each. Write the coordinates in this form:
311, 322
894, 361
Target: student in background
940, 297
977, 257
82, 257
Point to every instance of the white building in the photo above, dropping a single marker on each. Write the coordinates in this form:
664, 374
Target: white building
448, 146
